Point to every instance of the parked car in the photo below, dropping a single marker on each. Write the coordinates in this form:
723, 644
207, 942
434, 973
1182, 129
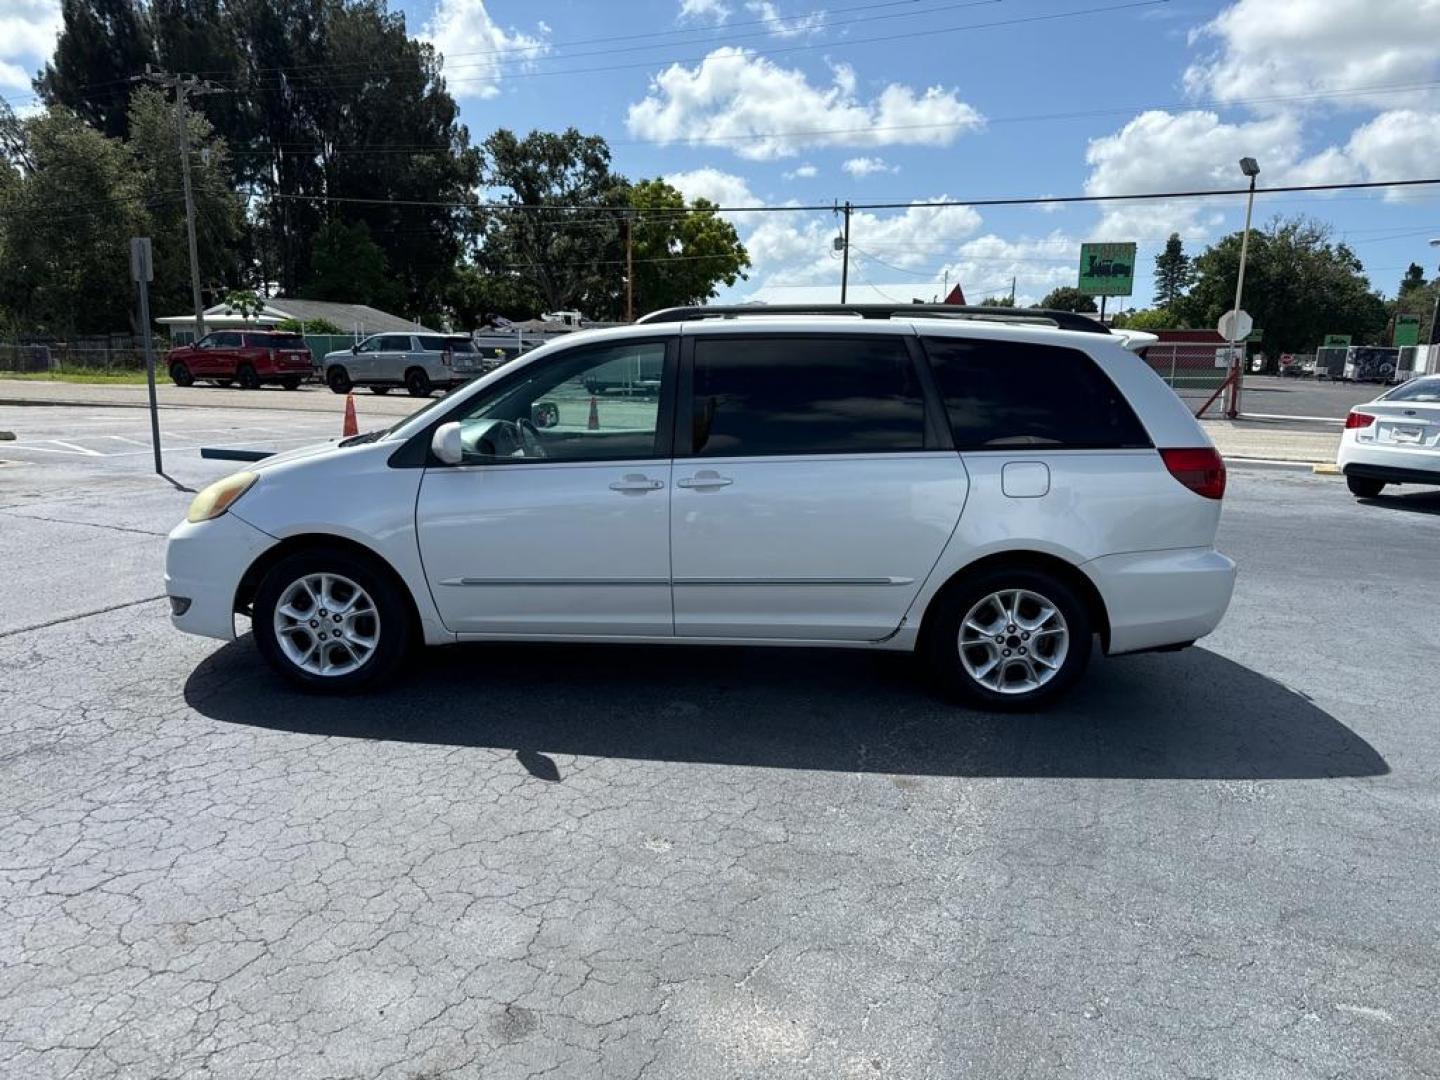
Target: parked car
244, 358
992, 494
1394, 439
421, 363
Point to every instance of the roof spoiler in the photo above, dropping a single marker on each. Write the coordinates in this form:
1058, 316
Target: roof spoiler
1064, 320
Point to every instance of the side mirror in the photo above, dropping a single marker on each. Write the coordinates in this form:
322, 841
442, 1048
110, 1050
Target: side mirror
446, 445
354, 349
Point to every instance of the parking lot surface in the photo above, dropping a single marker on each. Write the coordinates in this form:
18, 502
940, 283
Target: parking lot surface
627, 862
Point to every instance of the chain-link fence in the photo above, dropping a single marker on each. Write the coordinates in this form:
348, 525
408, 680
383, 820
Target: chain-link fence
1192, 370
109, 353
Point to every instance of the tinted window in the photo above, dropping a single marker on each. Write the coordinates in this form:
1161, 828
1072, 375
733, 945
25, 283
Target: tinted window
437, 343
395, 343
794, 395
1004, 394
226, 340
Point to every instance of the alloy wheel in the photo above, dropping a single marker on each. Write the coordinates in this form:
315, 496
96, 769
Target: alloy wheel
1013, 641
326, 624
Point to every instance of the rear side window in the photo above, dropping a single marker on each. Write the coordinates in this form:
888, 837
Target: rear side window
433, 343
1005, 394
805, 395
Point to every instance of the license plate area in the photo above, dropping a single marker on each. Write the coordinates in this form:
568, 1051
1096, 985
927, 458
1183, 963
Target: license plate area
1404, 435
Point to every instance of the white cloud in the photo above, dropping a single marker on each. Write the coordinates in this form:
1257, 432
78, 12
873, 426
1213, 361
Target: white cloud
720, 188
476, 47
716, 11
986, 265
28, 29
803, 172
763, 111
781, 26
795, 249
860, 167
1267, 48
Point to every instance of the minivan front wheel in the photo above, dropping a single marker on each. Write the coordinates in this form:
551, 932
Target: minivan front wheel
330, 621
1010, 639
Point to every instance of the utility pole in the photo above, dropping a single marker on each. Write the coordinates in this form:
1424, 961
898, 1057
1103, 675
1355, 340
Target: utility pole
629, 268
845, 262
1012, 291
182, 88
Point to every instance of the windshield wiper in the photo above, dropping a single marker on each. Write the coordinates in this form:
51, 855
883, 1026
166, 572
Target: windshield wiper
365, 437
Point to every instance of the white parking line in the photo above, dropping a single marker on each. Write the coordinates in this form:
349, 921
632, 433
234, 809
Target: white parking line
124, 439
76, 449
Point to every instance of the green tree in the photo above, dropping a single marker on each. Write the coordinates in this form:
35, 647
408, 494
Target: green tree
69, 213
1173, 273
476, 295
1414, 278
1419, 300
679, 258
1068, 298
1149, 319
309, 326
998, 301
1299, 286
348, 266
102, 44
569, 258
243, 302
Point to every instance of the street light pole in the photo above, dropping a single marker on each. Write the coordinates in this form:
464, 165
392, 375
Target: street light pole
1250, 168
1435, 311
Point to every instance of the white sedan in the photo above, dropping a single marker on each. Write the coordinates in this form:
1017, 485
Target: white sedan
1394, 439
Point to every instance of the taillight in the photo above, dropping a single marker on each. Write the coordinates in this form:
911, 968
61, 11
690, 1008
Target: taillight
1200, 470
1358, 420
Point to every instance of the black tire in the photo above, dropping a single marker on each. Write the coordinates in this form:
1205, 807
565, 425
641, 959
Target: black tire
395, 629
291, 382
417, 383
1364, 487
338, 379
180, 374
246, 378
942, 648
224, 382
379, 389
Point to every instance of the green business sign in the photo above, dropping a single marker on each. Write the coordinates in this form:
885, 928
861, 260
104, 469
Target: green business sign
1107, 269
1407, 330
1336, 341
1255, 335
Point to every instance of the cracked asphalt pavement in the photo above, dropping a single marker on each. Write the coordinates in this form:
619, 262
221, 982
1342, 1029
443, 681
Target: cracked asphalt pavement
609, 862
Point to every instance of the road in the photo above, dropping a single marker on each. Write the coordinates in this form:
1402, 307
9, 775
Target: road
1272, 395
717, 863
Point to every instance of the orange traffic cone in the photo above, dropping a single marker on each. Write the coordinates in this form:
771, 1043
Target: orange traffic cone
351, 427
594, 424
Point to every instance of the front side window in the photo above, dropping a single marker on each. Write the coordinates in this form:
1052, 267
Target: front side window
370, 345
589, 404
228, 340
805, 395
1000, 395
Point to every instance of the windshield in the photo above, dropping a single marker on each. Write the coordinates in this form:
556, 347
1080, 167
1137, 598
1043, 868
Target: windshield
1425, 390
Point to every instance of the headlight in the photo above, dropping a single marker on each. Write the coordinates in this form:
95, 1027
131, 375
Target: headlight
219, 496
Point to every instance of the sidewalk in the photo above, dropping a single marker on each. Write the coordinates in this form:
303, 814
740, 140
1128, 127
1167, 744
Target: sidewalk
1272, 440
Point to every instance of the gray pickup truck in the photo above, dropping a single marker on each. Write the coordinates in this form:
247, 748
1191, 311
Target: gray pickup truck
421, 363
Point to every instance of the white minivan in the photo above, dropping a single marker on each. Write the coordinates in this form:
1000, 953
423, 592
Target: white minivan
995, 489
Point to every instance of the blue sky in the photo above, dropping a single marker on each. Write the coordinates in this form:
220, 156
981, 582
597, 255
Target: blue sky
812, 101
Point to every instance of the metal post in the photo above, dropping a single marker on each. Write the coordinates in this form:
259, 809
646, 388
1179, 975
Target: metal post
1173, 350
845, 262
183, 138
142, 270
1237, 357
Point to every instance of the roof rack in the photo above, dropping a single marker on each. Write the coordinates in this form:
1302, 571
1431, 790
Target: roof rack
1064, 320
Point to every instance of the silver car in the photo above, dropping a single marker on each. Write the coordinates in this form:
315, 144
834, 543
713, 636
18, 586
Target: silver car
421, 363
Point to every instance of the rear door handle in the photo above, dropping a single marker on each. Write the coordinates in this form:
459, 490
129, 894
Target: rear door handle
636, 482
705, 478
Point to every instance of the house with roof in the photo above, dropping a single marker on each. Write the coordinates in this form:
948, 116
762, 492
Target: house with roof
355, 320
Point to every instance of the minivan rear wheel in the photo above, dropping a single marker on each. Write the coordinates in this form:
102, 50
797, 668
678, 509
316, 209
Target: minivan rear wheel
1009, 639
330, 621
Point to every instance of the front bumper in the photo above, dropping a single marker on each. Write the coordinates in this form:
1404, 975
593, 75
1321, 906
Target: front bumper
1159, 598
204, 563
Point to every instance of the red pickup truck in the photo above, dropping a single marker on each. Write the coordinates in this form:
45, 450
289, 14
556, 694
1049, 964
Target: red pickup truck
246, 358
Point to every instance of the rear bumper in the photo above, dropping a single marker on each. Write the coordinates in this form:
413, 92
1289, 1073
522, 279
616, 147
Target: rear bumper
1393, 464
1159, 598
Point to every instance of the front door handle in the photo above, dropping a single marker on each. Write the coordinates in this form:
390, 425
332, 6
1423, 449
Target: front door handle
705, 478
636, 482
